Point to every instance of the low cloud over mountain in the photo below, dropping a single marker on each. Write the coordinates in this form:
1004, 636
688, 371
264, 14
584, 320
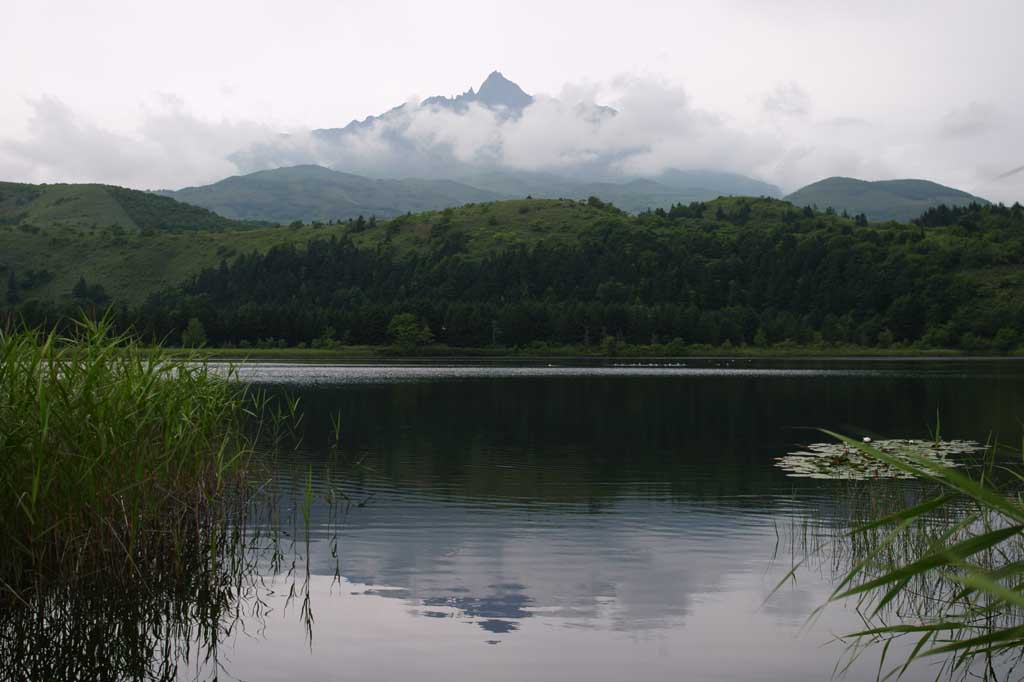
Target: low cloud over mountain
652, 127
622, 130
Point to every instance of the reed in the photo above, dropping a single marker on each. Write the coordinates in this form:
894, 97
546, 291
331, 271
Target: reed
946, 570
114, 458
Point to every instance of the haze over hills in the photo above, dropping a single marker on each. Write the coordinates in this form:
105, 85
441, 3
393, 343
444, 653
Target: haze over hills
662, 191
316, 193
470, 138
901, 200
310, 193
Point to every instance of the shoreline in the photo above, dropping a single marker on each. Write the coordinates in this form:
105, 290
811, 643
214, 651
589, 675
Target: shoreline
570, 354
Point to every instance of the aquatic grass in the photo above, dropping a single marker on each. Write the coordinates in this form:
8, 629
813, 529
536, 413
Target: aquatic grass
113, 457
136, 499
169, 626
947, 569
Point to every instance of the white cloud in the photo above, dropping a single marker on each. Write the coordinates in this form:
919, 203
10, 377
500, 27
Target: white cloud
787, 99
973, 118
655, 125
170, 148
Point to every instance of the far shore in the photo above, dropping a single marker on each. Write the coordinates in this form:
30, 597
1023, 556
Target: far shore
625, 354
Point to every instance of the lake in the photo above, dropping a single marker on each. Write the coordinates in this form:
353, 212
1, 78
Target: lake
589, 523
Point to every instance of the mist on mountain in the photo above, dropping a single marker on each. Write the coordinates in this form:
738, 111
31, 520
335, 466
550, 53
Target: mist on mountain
499, 131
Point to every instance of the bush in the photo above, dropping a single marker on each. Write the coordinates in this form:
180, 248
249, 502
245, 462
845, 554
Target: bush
408, 333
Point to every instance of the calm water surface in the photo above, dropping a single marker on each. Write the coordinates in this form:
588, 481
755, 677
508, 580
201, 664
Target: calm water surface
584, 523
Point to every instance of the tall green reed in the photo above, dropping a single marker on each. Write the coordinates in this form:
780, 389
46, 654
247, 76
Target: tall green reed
113, 456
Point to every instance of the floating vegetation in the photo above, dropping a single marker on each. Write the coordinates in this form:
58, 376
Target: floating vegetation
842, 461
943, 569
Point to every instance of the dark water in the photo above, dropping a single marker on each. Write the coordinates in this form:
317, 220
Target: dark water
602, 523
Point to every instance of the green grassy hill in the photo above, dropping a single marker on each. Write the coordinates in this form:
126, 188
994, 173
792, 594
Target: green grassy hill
51, 235
105, 247
311, 193
131, 242
901, 200
90, 206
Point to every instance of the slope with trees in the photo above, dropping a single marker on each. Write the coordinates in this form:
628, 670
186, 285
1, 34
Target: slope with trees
880, 200
730, 272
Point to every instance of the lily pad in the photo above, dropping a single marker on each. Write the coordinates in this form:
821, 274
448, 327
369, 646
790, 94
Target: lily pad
841, 461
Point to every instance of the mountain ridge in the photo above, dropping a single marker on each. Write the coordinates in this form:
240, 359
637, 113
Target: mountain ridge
309, 192
899, 199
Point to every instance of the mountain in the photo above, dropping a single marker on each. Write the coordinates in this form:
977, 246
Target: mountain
90, 206
469, 138
706, 182
496, 93
316, 193
901, 200
312, 192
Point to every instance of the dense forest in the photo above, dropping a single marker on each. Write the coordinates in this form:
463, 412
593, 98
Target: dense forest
755, 272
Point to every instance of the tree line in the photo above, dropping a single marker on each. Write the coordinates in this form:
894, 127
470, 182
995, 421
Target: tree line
742, 272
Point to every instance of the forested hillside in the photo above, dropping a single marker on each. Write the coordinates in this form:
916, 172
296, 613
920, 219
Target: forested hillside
734, 271
88, 206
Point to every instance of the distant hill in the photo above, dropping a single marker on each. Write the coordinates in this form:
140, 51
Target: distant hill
901, 200
90, 206
311, 192
705, 182
635, 195
316, 193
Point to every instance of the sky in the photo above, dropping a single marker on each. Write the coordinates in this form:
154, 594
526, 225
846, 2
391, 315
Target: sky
153, 95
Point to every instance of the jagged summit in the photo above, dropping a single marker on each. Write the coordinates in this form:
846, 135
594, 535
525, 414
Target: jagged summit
500, 91
496, 92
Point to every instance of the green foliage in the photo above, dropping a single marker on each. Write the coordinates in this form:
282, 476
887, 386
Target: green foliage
564, 271
950, 565
13, 296
110, 455
93, 296
153, 212
194, 334
779, 280
408, 332
101, 205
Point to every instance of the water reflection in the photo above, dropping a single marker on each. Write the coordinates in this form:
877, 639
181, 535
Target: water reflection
561, 501
557, 523
99, 630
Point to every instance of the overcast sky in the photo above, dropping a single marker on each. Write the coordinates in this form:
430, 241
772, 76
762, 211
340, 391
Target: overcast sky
159, 94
